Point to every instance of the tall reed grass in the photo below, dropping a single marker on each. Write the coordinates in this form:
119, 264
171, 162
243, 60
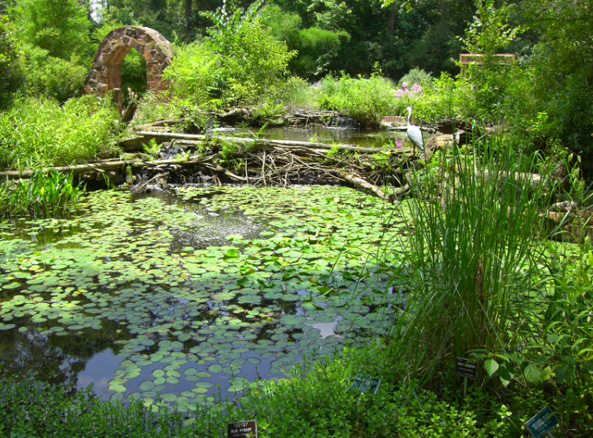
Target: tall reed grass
472, 256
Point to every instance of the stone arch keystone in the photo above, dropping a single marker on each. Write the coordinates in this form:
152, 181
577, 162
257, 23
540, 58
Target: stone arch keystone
105, 74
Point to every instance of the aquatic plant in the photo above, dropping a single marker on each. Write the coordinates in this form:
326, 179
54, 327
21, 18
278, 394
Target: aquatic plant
317, 399
473, 258
45, 194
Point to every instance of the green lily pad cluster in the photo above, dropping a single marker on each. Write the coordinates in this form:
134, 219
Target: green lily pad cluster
190, 320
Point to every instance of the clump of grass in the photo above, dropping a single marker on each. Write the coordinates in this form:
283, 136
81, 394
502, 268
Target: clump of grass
45, 194
472, 258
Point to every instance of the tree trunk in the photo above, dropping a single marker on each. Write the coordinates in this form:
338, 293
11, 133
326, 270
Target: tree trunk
188, 18
392, 16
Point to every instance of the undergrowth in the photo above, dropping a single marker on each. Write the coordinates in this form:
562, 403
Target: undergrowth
484, 282
37, 133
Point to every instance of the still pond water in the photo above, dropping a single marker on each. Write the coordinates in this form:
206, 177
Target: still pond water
378, 138
194, 295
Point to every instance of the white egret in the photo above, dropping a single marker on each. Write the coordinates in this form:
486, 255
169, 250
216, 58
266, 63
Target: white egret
414, 132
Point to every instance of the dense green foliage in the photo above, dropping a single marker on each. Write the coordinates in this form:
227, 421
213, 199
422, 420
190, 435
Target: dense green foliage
483, 284
60, 26
9, 52
366, 100
39, 132
50, 194
560, 68
547, 94
45, 76
237, 63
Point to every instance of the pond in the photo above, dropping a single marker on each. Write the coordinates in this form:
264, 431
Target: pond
195, 295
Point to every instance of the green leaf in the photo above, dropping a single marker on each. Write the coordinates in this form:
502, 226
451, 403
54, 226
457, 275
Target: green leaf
232, 253
547, 373
532, 373
565, 372
491, 366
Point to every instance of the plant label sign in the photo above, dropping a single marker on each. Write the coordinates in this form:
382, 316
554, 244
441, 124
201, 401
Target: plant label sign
466, 369
242, 429
366, 383
542, 422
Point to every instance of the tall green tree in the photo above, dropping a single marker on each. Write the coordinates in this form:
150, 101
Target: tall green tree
61, 27
563, 64
9, 52
393, 36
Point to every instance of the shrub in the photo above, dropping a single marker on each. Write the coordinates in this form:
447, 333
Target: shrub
416, 76
294, 92
366, 100
61, 27
50, 77
444, 98
195, 73
237, 64
39, 132
561, 356
255, 62
152, 108
9, 52
318, 50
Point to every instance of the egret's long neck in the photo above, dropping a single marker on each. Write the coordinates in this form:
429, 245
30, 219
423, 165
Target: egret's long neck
409, 115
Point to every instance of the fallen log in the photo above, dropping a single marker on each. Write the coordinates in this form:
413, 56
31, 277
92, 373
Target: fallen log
158, 123
360, 183
100, 166
280, 143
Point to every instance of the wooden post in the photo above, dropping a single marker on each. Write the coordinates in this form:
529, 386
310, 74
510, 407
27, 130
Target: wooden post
477, 58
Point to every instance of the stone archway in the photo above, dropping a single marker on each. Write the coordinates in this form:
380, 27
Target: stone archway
105, 74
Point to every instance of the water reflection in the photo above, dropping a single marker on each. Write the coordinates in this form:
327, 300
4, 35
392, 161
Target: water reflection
358, 137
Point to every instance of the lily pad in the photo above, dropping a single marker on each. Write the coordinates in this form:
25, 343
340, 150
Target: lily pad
147, 385
215, 368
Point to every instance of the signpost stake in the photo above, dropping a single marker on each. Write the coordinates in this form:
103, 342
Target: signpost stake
464, 387
467, 370
542, 423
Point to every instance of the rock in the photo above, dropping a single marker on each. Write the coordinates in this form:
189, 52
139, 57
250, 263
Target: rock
564, 206
439, 142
